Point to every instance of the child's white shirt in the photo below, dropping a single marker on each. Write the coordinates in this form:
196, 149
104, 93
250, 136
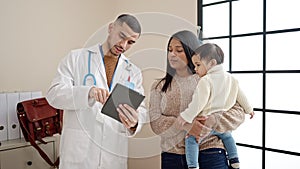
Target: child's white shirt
216, 91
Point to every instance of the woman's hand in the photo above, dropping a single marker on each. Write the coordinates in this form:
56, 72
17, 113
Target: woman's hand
202, 127
181, 121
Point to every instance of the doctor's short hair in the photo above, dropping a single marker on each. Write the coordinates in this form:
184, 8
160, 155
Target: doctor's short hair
209, 51
131, 21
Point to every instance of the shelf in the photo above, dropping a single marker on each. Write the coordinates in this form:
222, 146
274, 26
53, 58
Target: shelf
17, 143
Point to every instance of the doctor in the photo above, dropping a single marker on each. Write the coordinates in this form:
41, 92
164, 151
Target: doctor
84, 79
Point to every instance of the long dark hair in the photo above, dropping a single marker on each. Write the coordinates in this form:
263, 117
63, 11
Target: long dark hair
189, 42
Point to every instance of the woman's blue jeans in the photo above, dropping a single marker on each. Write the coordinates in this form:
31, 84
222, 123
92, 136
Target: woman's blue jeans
213, 158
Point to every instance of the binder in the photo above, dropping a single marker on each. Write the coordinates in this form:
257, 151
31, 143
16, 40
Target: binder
13, 123
3, 117
36, 94
22, 97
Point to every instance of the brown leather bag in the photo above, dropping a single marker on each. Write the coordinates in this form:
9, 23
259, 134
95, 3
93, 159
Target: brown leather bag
38, 120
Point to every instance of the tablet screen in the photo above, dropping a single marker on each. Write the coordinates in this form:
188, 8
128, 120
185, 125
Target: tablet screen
121, 95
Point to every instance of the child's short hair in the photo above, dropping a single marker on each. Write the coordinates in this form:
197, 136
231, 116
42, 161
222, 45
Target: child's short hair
209, 51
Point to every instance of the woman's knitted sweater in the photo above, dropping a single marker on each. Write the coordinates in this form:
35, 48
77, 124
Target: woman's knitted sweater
164, 107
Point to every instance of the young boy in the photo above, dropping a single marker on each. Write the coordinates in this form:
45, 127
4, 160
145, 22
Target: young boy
216, 91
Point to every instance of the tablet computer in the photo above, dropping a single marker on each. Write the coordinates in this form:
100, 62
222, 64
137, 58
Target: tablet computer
121, 95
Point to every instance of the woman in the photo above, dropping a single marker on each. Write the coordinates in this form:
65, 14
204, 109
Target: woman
171, 95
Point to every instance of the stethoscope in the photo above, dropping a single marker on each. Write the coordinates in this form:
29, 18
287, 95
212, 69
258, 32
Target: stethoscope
89, 74
92, 76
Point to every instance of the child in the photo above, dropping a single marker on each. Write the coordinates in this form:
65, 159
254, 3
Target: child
216, 91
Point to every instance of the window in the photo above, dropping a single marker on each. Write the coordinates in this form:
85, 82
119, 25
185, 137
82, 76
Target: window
261, 51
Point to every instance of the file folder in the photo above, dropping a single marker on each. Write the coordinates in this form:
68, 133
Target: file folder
25, 96
22, 97
13, 123
36, 94
3, 117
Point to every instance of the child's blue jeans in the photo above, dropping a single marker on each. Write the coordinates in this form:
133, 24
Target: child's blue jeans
192, 148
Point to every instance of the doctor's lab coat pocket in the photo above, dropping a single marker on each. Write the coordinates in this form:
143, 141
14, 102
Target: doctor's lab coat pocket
74, 145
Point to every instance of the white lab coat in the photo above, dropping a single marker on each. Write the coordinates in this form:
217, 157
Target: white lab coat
91, 140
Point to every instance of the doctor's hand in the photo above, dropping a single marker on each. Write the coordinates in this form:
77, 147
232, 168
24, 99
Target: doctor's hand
100, 95
128, 116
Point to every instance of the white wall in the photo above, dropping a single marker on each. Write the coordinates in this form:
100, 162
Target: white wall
35, 35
